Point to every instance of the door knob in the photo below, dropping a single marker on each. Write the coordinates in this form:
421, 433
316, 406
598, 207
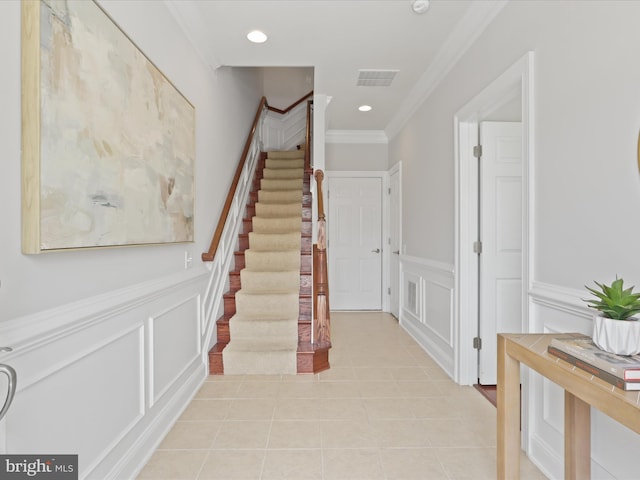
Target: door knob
377, 250
396, 252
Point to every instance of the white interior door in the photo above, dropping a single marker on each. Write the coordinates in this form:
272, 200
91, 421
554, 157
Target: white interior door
500, 226
355, 243
394, 243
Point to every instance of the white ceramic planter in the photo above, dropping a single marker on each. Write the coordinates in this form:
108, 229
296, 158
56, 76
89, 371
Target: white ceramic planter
621, 337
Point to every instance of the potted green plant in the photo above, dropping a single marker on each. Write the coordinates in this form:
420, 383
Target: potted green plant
615, 328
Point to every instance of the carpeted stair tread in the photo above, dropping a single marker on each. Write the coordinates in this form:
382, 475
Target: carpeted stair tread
284, 173
276, 163
274, 330
277, 225
263, 333
279, 196
274, 242
281, 184
278, 210
270, 282
286, 154
267, 305
272, 261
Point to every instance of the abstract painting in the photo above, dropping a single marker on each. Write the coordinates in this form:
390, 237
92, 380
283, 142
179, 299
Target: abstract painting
108, 141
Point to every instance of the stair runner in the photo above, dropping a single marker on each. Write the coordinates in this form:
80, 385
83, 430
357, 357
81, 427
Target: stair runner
264, 330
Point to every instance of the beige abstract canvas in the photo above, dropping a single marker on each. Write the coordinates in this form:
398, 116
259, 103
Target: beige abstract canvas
108, 146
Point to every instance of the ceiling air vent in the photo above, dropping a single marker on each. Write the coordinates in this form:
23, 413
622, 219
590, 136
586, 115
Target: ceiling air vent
375, 78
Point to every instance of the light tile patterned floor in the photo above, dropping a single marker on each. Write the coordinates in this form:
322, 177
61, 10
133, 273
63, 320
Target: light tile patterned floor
384, 410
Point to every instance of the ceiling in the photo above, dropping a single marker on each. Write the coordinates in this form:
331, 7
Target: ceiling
338, 38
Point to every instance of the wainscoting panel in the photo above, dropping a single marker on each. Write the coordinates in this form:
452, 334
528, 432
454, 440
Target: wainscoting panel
85, 372
426, 309
613, 447
438, 300
174, 344
103, 383
285, 132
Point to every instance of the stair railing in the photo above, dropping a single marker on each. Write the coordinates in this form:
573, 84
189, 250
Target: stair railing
209, 255
321, 317
292, 106
220, 252
308, 136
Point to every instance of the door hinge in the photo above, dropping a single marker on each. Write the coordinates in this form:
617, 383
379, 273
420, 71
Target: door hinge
477, 247
477, 151
477, 343
389, 190
389, 291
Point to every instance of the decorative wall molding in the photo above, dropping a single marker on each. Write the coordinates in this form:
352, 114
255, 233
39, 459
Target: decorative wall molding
170, 329
117, 370
431, 265
33, 331
426, 307
556, 308
126, 460
465, 33
285, 131
565, 299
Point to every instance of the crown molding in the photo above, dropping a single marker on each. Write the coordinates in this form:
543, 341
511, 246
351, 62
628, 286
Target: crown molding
189, 19
356, 136
461, 38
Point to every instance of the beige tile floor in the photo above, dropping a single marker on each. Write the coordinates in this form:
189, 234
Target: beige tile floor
384, 410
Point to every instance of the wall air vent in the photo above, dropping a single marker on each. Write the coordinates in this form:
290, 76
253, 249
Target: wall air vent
375, 78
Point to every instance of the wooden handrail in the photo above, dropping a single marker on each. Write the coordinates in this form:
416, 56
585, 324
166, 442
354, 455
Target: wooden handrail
292, 106
209, 255
321, 327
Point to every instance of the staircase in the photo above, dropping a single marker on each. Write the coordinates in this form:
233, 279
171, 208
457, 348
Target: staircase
266, 325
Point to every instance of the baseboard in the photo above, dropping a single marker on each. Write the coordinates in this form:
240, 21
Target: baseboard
137, 456
442, 358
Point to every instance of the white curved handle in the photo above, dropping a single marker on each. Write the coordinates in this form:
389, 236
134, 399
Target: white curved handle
13, 380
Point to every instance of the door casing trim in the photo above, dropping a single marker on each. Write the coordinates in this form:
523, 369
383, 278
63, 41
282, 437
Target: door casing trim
397, 168
517, 79
384, 181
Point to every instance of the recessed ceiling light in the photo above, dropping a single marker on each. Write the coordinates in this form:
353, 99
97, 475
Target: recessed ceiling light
257, 36
364, 108
420, 6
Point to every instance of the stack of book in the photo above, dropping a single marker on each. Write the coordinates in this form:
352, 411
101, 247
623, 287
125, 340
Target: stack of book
579, 350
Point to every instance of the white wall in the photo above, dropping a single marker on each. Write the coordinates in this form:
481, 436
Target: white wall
586, 181
107, 343
356, 156
285, 85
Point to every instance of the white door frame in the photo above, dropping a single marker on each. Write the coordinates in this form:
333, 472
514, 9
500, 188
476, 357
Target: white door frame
396, 169
518, 79
384, 181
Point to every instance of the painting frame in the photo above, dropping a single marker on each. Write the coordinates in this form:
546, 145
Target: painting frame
84, 186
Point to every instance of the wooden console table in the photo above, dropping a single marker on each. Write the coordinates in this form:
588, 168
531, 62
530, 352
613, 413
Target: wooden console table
581, 391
